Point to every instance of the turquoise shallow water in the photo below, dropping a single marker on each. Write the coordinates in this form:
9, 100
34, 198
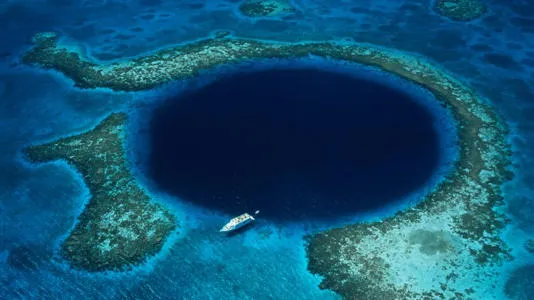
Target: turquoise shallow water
39, 205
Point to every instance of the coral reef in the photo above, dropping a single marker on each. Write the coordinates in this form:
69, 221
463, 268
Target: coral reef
265, 8
448, 245
431, 242
119, 227
460, 10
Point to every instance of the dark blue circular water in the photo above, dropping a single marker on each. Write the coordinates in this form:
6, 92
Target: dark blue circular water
296, 143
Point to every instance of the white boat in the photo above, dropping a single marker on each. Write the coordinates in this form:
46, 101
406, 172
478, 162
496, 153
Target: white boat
238, 222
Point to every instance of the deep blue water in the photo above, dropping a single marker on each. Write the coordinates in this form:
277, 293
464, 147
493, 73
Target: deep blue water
38, 205
298, 143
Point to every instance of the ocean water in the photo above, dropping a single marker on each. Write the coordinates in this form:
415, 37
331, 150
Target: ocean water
40, 203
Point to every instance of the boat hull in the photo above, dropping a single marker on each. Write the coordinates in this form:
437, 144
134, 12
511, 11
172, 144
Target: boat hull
237, 223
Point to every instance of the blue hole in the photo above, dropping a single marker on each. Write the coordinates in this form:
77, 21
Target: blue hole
294, 143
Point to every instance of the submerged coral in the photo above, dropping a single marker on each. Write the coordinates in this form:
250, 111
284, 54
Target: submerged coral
448, 245
460, 10
119, 227
520, 285
27, 257
529, 246
265, 8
